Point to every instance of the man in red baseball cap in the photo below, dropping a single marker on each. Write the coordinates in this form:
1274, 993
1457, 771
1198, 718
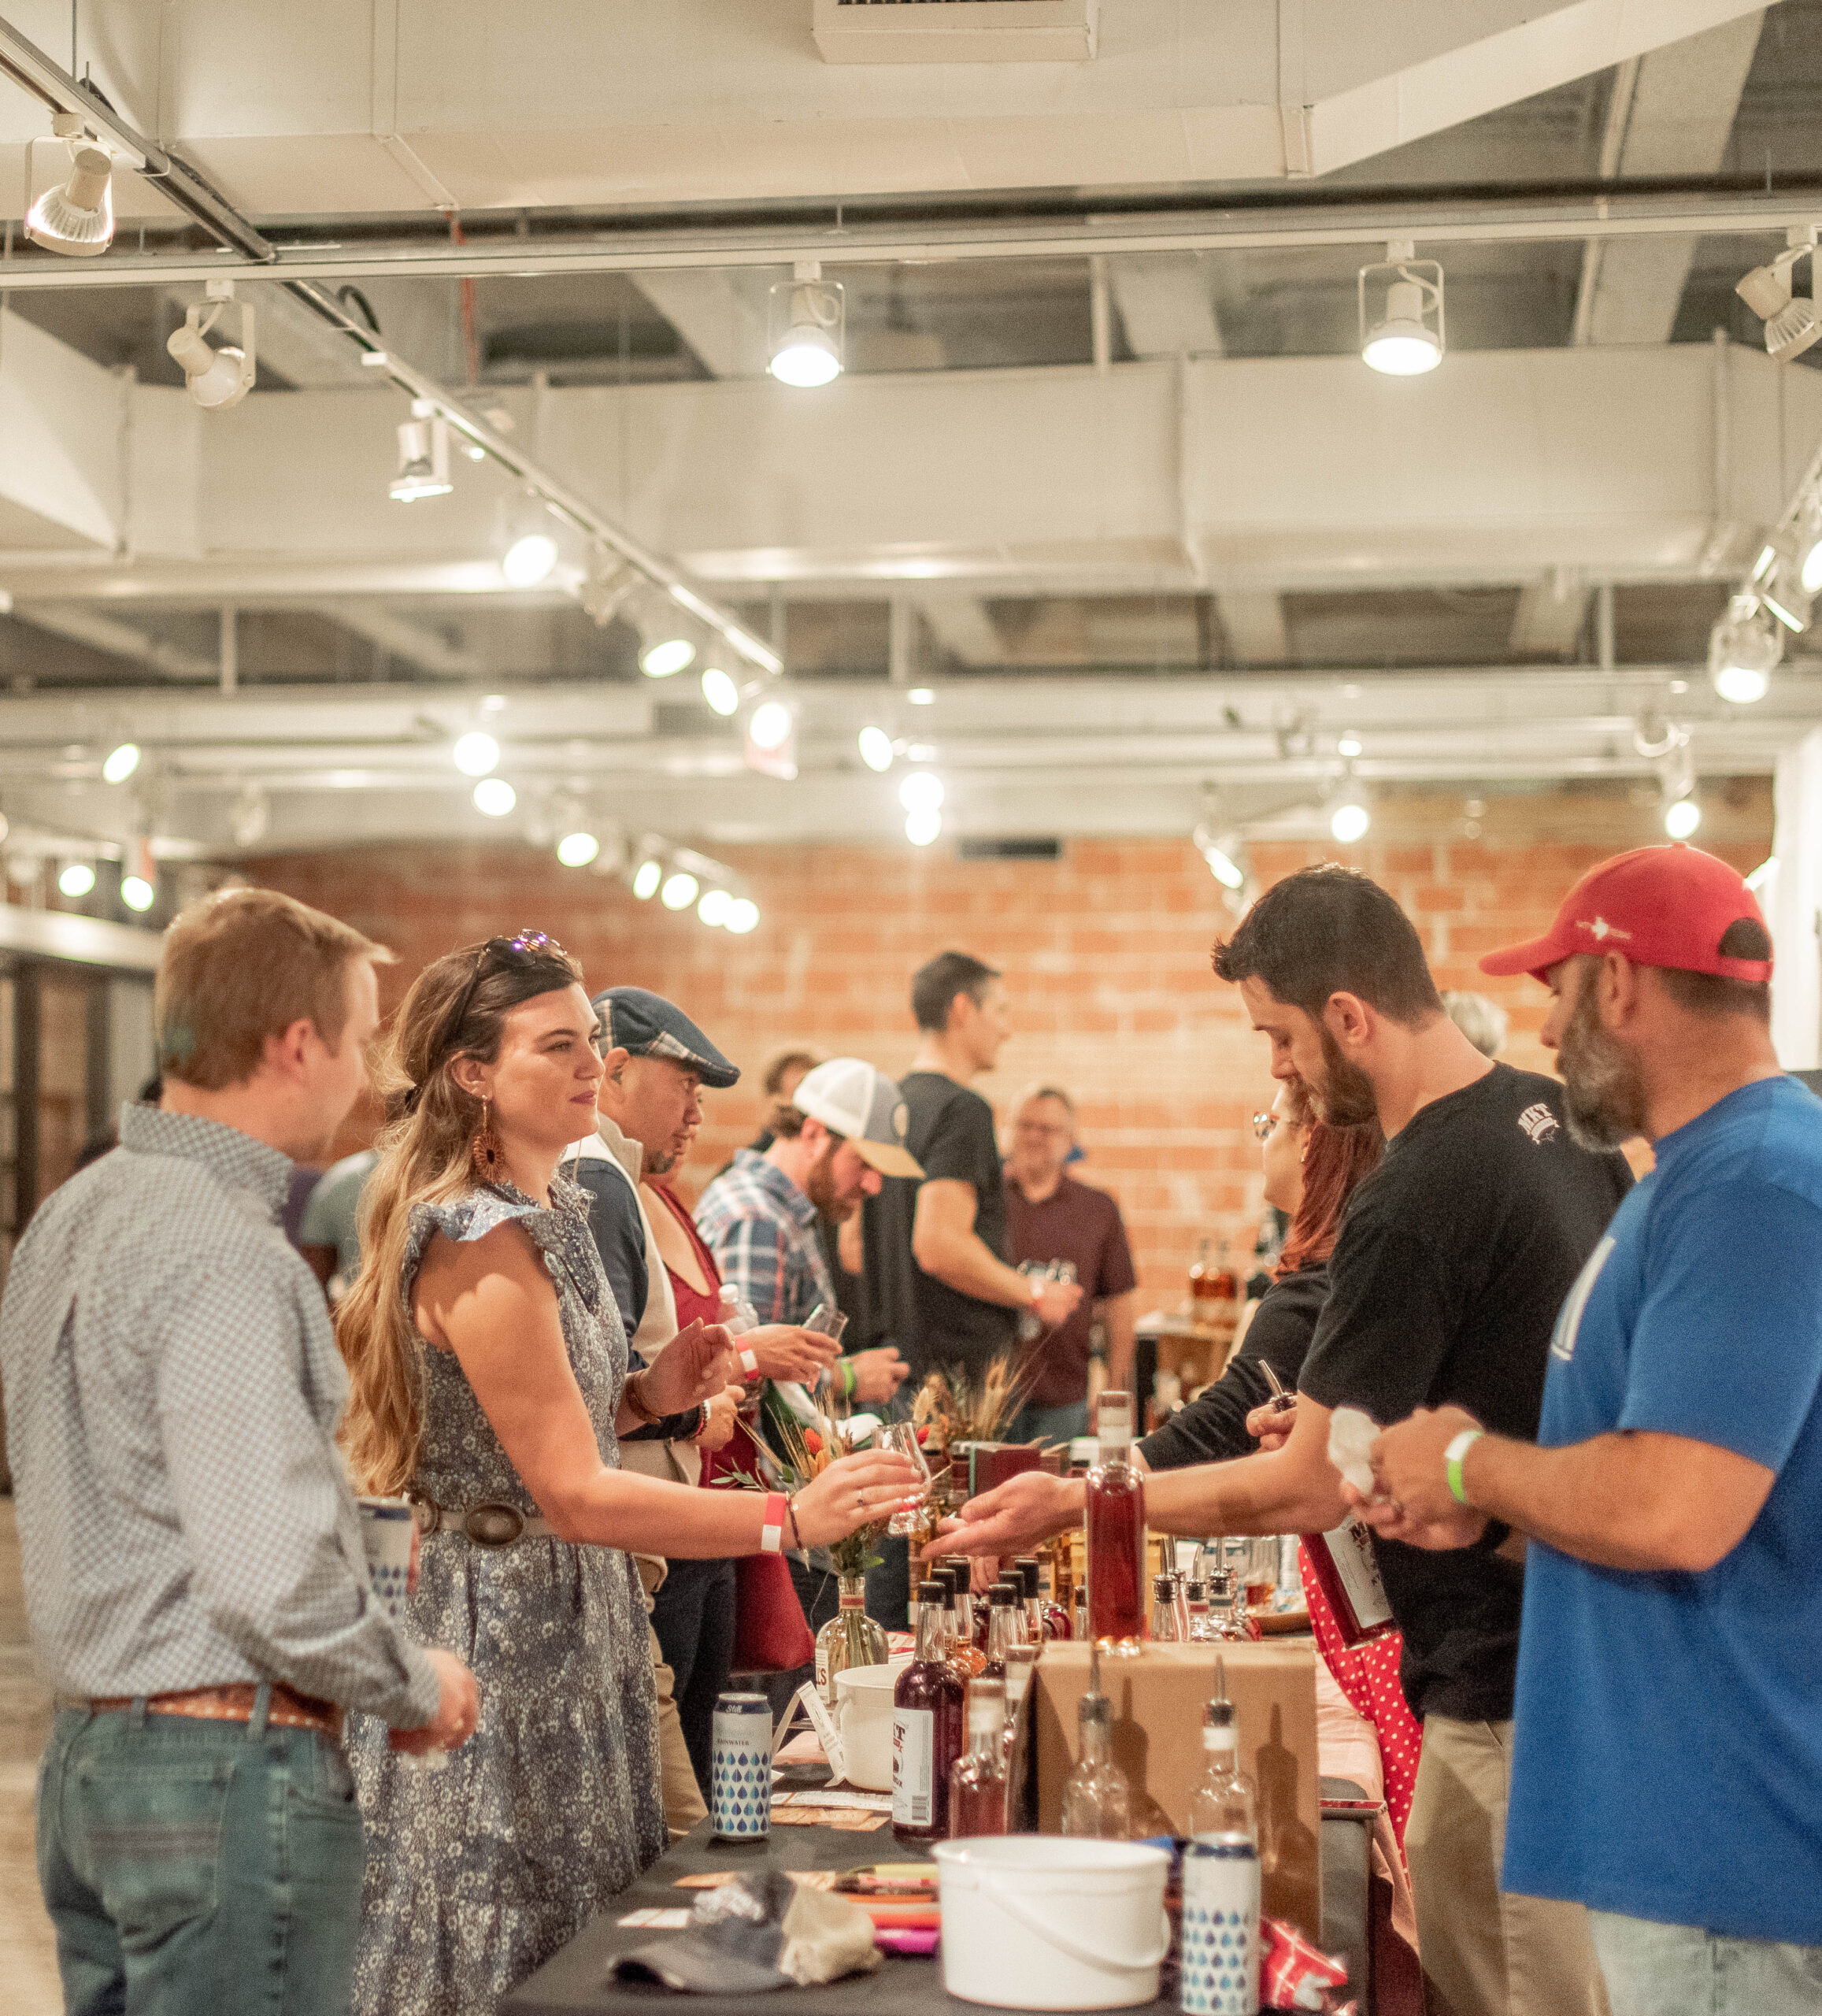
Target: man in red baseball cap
1668, 1754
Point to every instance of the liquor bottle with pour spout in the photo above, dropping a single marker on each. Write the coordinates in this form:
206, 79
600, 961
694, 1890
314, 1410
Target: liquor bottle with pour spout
1097, 1795
1115, 1517
1220, 1876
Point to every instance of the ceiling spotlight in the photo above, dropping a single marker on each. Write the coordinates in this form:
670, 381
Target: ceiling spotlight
1348, 816
1224, 855
806, 319
475, 753
679, 891
76, 880
605, 587
721, 692
577, 849
770, 726
121, 763
531, 542
494, 796
666, 651
423, 456
921, 791
714, 908
1809, 550
742, 916
137, 893
77, 216
1743, 648
1348, 745
1682, 818
646, 877
216, 379
1407, 339
922, 826
1784, 595
876, 749
1792, 324
920, 696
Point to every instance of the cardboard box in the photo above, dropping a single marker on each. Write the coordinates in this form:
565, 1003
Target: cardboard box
1157, 1698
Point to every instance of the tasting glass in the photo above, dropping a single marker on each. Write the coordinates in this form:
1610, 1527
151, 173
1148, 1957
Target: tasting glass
901, 1437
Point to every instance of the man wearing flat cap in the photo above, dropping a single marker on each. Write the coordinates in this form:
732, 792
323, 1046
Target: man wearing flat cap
648, 1109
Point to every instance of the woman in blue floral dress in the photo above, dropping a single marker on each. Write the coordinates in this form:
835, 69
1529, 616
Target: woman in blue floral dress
491, 1379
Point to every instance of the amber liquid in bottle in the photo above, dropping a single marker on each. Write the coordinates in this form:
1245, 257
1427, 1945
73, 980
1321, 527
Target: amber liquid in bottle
927, 1730
1115, 1512
977, 1785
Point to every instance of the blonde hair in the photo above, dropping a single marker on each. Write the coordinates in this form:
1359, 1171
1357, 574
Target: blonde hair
243, 965
456, 1007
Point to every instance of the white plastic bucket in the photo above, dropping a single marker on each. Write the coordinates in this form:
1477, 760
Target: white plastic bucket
1036, 1922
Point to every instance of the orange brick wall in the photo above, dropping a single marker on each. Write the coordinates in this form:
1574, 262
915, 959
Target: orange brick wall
1106, 953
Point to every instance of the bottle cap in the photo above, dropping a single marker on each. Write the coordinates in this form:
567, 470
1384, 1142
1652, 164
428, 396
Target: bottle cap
1028, 1571
1196, 1592
1163, 1588
931, 1591
1220, 1585
987, 1704
1002, 1594
1218, 1715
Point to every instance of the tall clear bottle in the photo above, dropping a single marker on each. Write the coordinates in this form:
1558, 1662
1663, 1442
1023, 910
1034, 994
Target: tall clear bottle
927, 1727
977, 1783
1097, 1795
1220, 1975
1115, 1517
964, 1655
850, 1638
1164, 1630
1003, 1630
1225, 1806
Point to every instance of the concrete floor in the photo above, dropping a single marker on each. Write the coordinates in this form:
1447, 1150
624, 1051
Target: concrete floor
28, 1953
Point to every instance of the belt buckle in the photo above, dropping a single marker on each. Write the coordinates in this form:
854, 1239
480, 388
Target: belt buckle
493, 1525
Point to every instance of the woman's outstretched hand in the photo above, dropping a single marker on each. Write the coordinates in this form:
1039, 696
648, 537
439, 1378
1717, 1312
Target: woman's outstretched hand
855, 1492
693, 1367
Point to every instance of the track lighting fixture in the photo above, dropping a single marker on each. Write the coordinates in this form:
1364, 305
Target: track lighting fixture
742, 916
423, 456
605, 587
1807, 547
1792, 324
475, 753
722, 691
668, 649
77, 217
77, 879
807, 318
1349, 816
137, 893
923, 825
1681, 817
577, 848
680, 890
771, 745
921, 791
712, 909
494, 796
122, 761
216, 379
531, 542
1743, 648
1407, 339
1225, 854
876, 750
646, 877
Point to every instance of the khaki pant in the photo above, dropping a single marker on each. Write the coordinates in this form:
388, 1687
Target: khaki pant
683, 1798
1487, 1952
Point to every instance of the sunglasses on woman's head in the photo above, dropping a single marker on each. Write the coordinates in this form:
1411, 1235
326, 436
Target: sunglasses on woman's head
526, 944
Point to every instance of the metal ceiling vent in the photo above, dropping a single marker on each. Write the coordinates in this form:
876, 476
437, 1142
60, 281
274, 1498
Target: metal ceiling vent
956, 31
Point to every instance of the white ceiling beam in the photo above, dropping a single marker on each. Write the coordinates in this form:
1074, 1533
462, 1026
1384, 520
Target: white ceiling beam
292, 113
401, 638
1254, 626
84, 626
1677, 107
60, 418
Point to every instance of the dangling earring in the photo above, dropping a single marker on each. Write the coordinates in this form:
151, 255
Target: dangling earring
484, 1150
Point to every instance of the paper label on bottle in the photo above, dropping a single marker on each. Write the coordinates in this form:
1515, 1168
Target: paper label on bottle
913, 1751
827, 1734
822, 1666
1350, 1548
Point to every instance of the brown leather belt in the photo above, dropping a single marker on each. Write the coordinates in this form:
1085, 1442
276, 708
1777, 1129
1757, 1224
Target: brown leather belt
289, 1709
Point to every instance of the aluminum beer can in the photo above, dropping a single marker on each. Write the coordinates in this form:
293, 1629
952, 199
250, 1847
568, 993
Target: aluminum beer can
740, 1785
1220, 1927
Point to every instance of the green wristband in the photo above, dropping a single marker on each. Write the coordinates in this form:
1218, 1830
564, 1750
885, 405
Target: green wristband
1452, 1458
850, 1379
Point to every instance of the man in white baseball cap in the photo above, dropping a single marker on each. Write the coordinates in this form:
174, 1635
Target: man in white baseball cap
853, 1099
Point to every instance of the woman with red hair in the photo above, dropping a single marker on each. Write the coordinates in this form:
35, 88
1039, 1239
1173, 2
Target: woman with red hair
1311, 1170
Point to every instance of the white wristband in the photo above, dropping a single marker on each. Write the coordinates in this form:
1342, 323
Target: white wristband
750, 1364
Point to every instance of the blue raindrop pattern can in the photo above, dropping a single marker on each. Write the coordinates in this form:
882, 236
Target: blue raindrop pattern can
740, 1789
1220, 1928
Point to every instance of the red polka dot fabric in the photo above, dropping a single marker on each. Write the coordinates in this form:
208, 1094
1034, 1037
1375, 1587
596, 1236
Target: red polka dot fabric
1369, 1676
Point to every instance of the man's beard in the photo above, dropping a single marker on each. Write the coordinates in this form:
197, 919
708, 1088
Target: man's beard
1348, 1099
661, 1163
1603, 1090
820, 1186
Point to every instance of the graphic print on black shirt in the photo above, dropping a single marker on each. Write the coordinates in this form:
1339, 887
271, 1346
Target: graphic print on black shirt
950, 1131
1454, 1257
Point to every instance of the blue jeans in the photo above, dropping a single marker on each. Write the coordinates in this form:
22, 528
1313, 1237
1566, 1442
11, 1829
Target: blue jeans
192, 1867
1680, 1970
693, 1614
1048, 1425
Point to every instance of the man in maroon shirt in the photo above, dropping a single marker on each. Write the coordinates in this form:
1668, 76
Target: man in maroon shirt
1050, 1217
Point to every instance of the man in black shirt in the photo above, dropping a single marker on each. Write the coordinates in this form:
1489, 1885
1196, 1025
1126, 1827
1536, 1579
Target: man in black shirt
941, 1288
1453, 1260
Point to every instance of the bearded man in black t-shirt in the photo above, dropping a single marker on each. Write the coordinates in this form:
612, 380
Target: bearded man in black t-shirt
1453, 1259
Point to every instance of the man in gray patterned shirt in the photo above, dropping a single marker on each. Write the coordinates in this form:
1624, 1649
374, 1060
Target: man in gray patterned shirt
194, 1570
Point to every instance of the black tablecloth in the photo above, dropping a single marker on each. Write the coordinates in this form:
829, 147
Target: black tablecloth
580, 1978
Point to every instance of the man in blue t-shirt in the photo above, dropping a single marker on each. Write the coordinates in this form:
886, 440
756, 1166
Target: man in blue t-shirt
1668, 1759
